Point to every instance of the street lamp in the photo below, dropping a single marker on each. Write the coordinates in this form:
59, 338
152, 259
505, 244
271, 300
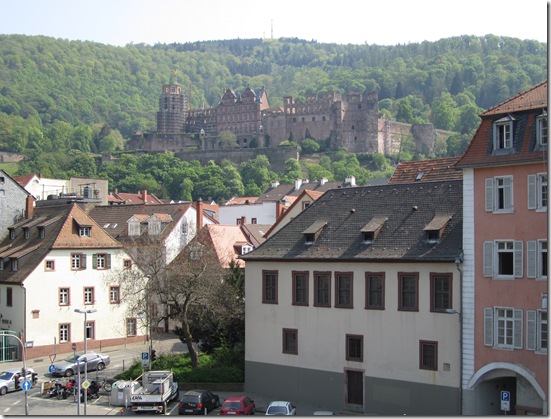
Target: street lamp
85, 312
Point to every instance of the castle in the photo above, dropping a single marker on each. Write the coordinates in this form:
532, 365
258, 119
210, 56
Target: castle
347, 121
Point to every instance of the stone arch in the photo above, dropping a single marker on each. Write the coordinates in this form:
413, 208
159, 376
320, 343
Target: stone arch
493, 366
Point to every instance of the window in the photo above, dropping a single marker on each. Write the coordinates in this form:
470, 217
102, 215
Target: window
354, 348
64, 332
127, 264
428, 355
503, 133
290, 341
114, 295
536, 259
408, 297
90, 330
101, 261
9, 297
537, 192
85, 231
440, 291
41, 232
269, 287
14, 264
344, 289
12, 233
131, 327
88, 295
1, 264
133, 228
300, 288
536, 331
322, 289
541, 124
503, 328
254, 221
64, 294
499, 194
49, 265
27, 233
375, 290
503, 259
78, 261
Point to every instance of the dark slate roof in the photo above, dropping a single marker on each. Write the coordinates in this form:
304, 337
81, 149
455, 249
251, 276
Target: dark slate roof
524, 108
341, 215
426, 171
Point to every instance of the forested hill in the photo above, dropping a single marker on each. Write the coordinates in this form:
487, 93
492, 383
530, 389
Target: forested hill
44, 80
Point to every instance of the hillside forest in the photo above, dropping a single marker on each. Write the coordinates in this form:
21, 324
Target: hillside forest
63, 103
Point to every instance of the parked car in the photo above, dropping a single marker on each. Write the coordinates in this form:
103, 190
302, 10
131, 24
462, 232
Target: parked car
238, 405
194, 402
9, 378
281, 408
92, 360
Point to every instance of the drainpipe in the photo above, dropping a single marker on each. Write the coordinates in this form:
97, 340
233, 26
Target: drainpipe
458, 264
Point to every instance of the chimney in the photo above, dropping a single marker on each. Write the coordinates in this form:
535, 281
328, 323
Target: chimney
279, 209
29, 210
323, 181
243, 220
350, 180
275, 184
298, 184
144, 196
199, 209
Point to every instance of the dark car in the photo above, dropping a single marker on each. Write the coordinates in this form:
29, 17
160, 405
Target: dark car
194, 402
238, 405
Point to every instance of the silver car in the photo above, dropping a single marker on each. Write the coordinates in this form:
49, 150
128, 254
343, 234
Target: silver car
71, 364
9, 379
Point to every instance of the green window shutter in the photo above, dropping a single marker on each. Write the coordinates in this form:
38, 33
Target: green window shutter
532, 192
108, 261
531, 330
488, 259
517, 329
94, 261
489, 194
83, 261
507, 193
519, 258
488, 326
531, 258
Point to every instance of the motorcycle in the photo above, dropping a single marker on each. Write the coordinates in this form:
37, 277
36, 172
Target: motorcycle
94, 389
56, 390
67, 389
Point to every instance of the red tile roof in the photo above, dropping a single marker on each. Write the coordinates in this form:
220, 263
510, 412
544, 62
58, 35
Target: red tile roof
534, 98
426, 171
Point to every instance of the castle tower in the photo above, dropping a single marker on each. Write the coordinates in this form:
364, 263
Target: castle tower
172, 108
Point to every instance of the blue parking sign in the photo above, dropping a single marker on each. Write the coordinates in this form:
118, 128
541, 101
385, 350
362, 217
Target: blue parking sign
506, 396
145, 356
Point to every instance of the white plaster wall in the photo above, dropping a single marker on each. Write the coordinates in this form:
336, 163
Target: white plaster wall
13, 201
42, 294
391, 337
265, 213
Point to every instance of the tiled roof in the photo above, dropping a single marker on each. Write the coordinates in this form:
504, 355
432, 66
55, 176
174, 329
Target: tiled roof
224, 239
24, 180
113, 218
60, 231
235, 200
524, 108
255, 232
409, 208
426, 171
133, 198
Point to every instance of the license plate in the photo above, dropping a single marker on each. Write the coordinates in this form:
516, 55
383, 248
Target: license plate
189, 411
231, 413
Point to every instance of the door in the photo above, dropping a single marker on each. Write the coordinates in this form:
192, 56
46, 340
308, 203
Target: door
354, 387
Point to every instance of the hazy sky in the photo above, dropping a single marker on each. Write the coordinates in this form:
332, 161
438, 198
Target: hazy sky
381, 22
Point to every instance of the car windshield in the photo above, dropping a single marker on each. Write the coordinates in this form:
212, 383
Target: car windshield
273, 410
190, 399
72, 358
5, 375
232, 405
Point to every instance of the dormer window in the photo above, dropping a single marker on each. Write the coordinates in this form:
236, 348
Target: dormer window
27, 233
541, 129
12, 234
435, 228
372, 229
41, 232
1, 264
503, 133
85, 231
312, 232
154, 226
134, 228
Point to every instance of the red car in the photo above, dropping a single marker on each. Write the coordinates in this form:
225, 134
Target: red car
238, 405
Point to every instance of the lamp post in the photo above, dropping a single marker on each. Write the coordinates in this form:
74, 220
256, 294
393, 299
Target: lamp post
85, 312
24, 353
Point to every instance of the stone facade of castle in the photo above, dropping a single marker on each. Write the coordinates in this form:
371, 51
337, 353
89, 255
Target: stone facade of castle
346, 120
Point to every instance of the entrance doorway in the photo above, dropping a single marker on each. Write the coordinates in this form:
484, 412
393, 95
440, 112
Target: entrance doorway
355, 389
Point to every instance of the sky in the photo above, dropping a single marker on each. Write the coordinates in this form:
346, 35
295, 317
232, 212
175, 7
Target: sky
379, 22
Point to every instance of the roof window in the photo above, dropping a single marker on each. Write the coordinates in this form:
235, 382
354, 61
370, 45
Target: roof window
435, 228
313, 232
372, 229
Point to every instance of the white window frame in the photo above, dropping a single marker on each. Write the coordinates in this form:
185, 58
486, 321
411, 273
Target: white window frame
64, 296
499, 195
88, 295
503, 328
536, 257
90, 330
541, 129
131, 326
114, 294
64, 332
503, 134
491, 253
537, 337
538, 195
85, 231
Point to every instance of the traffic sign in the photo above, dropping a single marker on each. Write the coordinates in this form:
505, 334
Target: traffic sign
86, 384
145, 356
26, 385
506, 400
51, 368
74, 346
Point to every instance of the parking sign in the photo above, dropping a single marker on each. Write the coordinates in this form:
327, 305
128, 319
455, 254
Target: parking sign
145, 359
505, 400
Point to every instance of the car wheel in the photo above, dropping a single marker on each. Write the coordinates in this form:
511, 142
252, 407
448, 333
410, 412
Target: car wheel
101, 366
69, 372
3, 390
